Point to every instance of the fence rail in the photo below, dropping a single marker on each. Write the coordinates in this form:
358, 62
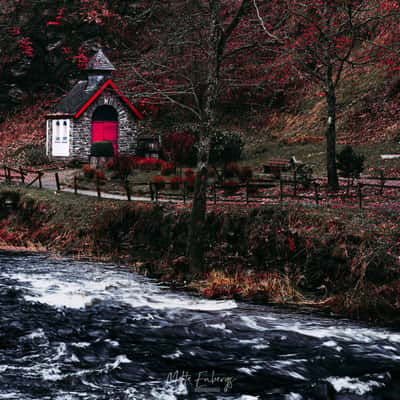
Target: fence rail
10, 175
287, 186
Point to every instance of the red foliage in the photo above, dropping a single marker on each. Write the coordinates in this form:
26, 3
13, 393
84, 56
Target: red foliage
190, 181
188, 172
88, 171
81, 59
99, 175
291, 244
14, 31
167, 169
123, 164
25, 45
150, 164
177, 146
175, 182
159, 181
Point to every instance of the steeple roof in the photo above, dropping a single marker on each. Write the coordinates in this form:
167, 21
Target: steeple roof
99, 62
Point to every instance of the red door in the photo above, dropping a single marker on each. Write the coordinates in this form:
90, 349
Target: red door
105, 131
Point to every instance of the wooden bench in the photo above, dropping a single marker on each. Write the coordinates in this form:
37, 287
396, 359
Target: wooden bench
277, 165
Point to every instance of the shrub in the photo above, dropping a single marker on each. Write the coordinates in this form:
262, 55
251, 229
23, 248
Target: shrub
175, 182
158, 181
190, 181
102, 149
188, 172
123, 165
88, 171
110, 165
349, 163
231, 170
246, 173
36, 155
179, 147
150, 164
225, 147
167, 169
99, 175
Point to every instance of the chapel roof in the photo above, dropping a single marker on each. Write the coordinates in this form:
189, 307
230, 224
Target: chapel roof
99, 62
84, 92
76, 98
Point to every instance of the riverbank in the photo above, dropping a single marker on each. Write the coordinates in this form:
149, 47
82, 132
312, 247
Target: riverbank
345, 261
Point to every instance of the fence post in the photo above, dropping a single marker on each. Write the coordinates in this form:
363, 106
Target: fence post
98, 189
215, 194
382, 176
184, 192
316, 187
156, 193
9, 178
348, 187
40, 179
360, 195
22, 175
295, 183
151, 191
247, 192
57, 182
280, 186
5, 173
128, 191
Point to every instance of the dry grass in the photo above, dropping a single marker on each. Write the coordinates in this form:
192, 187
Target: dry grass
273, 286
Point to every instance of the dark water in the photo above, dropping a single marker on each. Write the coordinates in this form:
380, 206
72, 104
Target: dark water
71, 330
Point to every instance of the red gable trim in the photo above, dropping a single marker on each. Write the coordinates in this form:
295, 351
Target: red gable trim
106, 84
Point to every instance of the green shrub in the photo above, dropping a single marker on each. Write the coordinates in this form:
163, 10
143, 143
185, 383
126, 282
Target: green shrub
225, 147
88, 171
33, 154
102, 149
349, 163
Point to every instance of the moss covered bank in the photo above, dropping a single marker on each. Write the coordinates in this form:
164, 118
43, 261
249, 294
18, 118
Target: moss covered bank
344, 261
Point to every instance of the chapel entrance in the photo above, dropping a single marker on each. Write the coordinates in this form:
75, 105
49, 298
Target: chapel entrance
105, 126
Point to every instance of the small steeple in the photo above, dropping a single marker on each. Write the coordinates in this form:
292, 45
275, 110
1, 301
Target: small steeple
99, 68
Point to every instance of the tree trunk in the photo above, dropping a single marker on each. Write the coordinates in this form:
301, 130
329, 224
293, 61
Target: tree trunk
196, 240
333, 182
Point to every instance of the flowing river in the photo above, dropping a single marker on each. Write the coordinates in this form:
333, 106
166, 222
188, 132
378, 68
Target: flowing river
77, 330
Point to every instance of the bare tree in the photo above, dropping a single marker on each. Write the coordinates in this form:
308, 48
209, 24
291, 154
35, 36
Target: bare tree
185, 70
319, 39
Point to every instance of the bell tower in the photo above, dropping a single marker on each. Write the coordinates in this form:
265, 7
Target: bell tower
98, 69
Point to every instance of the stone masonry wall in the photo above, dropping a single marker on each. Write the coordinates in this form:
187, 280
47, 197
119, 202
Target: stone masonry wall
82, 127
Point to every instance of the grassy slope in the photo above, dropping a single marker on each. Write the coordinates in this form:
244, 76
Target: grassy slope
275, 254
368, 109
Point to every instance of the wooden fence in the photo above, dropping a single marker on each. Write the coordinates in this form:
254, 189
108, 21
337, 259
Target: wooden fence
288, 186
10, 175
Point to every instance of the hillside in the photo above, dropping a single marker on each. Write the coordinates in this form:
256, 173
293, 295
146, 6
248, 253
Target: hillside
368, 119
279, 115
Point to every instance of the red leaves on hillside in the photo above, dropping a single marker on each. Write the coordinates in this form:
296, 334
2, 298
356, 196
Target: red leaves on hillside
25, 45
